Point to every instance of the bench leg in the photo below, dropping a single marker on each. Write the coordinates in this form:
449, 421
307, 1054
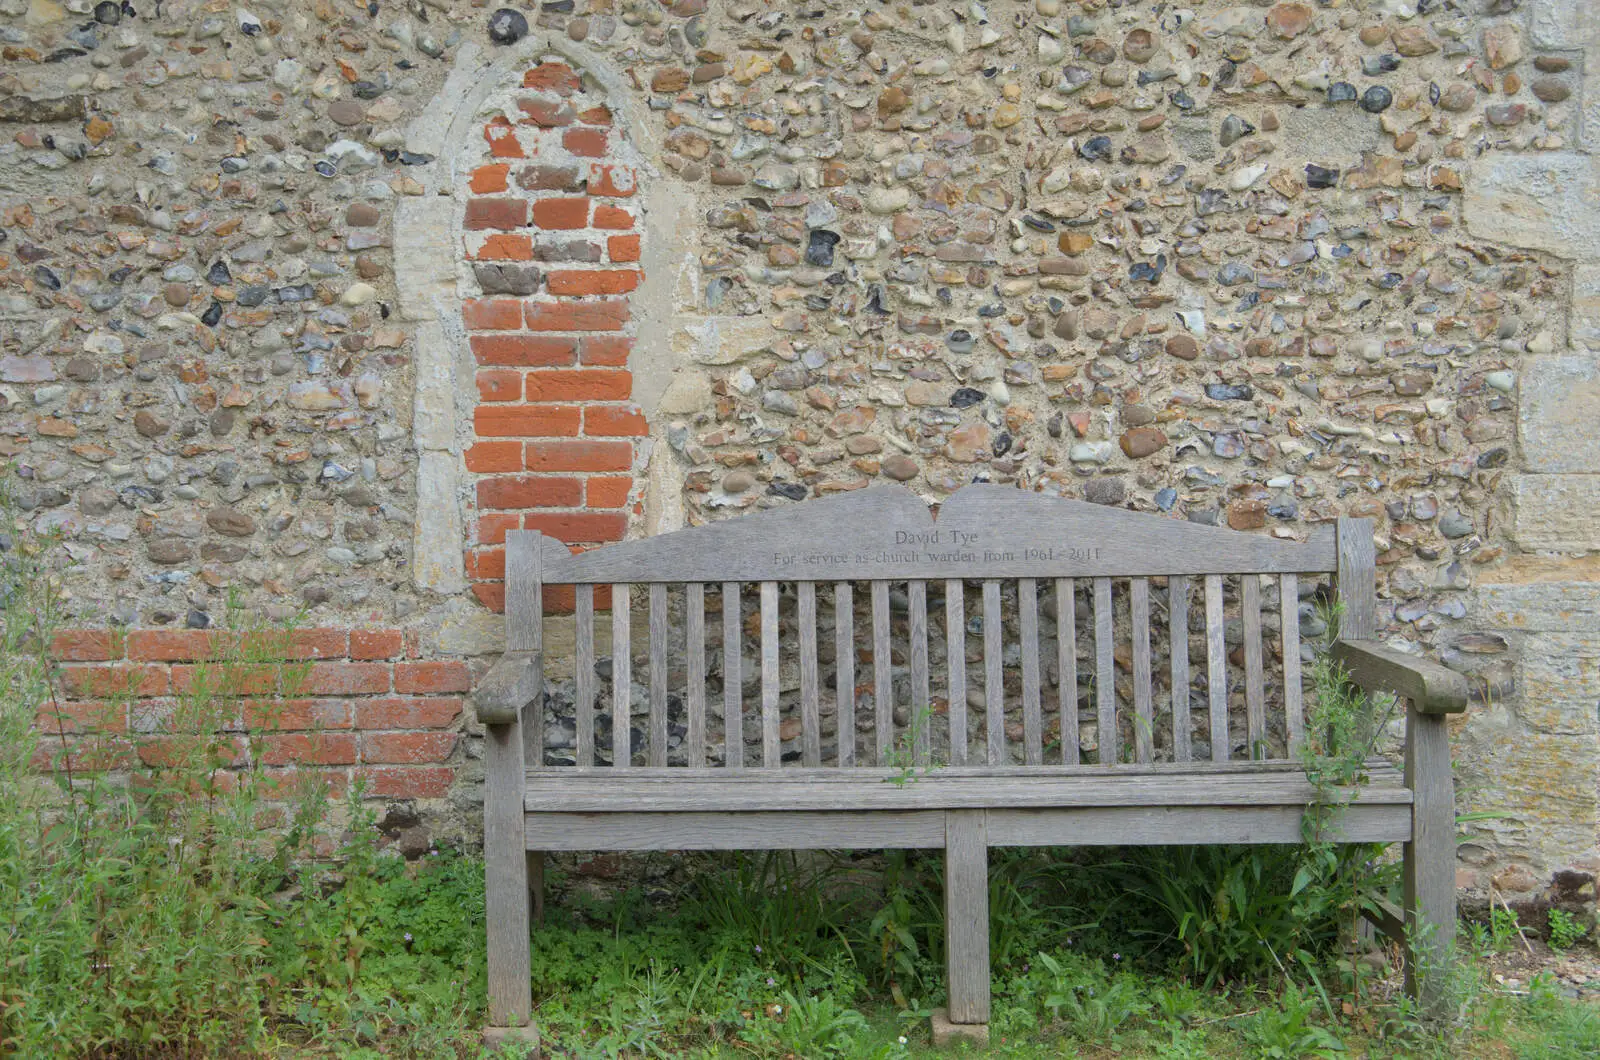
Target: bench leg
1429, 860
966, 918
506, 878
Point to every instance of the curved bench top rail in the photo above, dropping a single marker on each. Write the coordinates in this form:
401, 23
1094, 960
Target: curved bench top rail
887, 533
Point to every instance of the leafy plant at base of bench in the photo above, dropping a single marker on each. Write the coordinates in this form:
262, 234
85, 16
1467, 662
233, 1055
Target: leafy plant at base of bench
1566, 930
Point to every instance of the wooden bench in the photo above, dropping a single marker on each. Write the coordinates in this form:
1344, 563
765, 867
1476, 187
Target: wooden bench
886, 745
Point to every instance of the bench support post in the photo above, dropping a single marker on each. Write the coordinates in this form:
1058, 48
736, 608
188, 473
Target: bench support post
966, 915
506, 878
1430, 858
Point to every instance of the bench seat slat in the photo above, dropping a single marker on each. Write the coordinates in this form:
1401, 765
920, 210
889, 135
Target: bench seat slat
754, 791
925, 829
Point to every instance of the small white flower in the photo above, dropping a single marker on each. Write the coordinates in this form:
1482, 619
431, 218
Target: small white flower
901, 1039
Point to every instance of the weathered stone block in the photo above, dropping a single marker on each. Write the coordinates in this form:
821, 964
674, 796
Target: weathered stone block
1543, 786
945, 1033
1571, 606
1562, 24
1583, 330
1556, 512
1547, 202
1560, 397
1560, 683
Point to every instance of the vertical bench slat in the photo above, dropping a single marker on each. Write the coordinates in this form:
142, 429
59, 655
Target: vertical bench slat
621, 678
1216, 668
1105, 674
882, 674
810, 722
844, 650
1028, 620
1357, 579
1143, 713
771, 751
1067, 663
994, 688
1289, 607
955, 640
1255, 705
658, 674
525, 627
583, 709
1178, 627
732, 679
695, 649
921, 705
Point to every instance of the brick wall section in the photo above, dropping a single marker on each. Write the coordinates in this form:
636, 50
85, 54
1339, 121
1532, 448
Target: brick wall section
368, 709
552, 234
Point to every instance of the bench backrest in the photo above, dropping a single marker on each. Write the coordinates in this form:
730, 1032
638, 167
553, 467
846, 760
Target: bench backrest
867, 564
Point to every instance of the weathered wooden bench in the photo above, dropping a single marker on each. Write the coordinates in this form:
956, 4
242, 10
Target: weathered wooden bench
820, 758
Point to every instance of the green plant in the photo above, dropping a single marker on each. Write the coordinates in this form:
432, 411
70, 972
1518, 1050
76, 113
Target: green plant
908, 755
1091, 1004
1286, 1031
1566, 930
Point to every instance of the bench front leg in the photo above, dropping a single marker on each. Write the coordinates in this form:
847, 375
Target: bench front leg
1430, 859
966, 915
506, 889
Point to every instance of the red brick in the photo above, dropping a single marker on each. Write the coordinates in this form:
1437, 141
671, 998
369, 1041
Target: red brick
611, 216
407, 748
612, 181
579, 456
418, 713
499, 384
377, 643
558, 213
492, 526
580, 526
347, 679
84, 755
121, 679
491, 178
525, 421
432, 677
529, 492
505, 246
90, 715
492, 314
524, 351
591, 281
174, 645
502, 139
586, 143
622, 248
312, 749
494, 456
235, 680
580, 384
611, 315
87, 645
547, 177
553, 77
289, 714
610, 351
308, 644
503, 213
607, 492
186, 751
600, 115
287, 782
401, 782
491, 595
546, 113
614, 421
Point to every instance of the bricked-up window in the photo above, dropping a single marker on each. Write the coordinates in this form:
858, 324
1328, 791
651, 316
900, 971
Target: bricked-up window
552, 233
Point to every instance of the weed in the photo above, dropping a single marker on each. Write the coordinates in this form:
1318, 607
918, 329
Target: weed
1566, 930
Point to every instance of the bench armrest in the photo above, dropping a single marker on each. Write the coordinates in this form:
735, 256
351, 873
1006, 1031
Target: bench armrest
516, 680
1431, 687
